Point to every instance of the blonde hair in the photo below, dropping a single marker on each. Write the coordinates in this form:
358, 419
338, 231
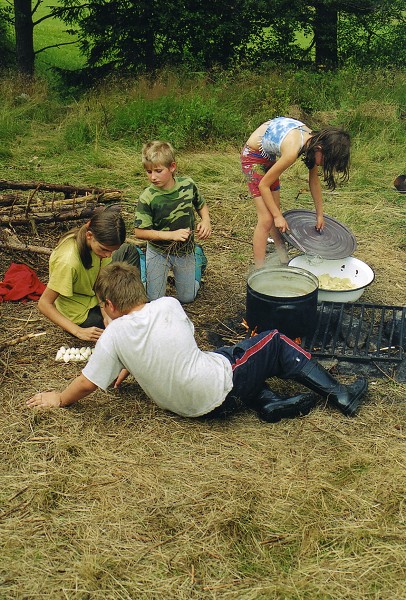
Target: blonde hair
157, 153
120, 283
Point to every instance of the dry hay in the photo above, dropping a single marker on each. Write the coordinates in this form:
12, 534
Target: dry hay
116, 499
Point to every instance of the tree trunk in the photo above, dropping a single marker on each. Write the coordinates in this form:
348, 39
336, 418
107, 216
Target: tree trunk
325, 34
24, 32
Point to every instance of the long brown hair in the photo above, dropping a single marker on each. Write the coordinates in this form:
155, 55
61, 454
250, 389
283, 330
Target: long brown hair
108, 228
335, 146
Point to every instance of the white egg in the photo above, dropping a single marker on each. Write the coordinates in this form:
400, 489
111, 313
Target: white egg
66, 357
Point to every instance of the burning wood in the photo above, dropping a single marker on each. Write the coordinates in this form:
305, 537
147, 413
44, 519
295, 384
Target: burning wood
250, 331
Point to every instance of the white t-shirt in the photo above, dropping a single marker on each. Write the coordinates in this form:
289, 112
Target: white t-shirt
157, 346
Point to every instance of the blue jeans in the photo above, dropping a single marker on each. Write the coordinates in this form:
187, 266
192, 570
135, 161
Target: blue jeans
184, 271
133, 255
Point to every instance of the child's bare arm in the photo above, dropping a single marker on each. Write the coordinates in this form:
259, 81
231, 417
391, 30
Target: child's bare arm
179, 235
284, 162
79, 388
46, 305
204, 227
315, 190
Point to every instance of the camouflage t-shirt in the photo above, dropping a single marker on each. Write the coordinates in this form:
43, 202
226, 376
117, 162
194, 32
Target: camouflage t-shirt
168, 210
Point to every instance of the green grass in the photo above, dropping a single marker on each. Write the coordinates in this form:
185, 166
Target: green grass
117, 499
50, 32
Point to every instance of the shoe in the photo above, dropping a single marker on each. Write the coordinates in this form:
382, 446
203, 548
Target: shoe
346, 398
272, 408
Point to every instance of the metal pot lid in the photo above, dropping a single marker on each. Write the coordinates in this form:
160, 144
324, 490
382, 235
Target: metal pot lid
335, 241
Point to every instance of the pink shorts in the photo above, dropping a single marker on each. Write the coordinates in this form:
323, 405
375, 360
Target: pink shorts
254, 166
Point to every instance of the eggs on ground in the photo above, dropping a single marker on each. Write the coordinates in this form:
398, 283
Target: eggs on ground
73, 354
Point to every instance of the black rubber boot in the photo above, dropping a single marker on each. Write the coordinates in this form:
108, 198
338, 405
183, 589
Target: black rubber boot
346, 398
272, 408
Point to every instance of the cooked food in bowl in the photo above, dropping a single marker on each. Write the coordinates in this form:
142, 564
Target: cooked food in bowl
356, 271
328, 282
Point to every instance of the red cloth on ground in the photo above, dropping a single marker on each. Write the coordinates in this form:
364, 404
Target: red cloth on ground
20, 281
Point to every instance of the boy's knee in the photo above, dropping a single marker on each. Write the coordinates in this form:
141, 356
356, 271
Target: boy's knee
186, 297
127, 253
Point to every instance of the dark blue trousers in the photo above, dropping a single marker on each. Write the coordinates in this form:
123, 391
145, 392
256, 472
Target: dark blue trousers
269, 354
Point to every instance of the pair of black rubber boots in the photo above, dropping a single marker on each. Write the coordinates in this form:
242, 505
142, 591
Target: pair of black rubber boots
347, 398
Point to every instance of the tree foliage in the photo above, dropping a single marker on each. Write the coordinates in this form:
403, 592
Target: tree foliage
6, 44
144, 36
139, 35
362, 31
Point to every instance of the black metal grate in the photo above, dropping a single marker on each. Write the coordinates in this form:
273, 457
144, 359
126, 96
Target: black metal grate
358, 332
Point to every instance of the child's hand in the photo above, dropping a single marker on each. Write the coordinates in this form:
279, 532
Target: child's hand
320, 224
89, 334
45, 400
281, 224
203, 229
180, 235
121, 376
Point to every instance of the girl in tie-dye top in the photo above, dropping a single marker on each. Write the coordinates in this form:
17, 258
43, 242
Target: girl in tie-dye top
269, 151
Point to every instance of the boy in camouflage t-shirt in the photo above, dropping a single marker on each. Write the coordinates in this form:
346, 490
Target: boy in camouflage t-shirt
165, 217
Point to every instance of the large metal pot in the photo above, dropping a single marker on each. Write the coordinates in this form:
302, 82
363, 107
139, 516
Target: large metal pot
283, 298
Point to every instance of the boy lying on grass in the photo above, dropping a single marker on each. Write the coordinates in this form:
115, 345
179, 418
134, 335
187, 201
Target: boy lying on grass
155, 343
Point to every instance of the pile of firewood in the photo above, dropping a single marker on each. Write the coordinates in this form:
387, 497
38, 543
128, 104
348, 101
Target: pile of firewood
30, 203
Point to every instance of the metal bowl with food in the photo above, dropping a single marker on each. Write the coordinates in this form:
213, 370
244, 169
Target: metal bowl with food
340, 280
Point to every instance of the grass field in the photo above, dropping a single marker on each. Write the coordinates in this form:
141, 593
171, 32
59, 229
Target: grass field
115, 499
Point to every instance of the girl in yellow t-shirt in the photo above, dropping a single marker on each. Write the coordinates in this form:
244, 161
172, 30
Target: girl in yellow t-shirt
69, 300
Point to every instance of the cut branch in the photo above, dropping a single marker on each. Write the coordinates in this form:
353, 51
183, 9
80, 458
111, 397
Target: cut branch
68, 190
55, 211
47, 217
20, 339
11, 242
16, 202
